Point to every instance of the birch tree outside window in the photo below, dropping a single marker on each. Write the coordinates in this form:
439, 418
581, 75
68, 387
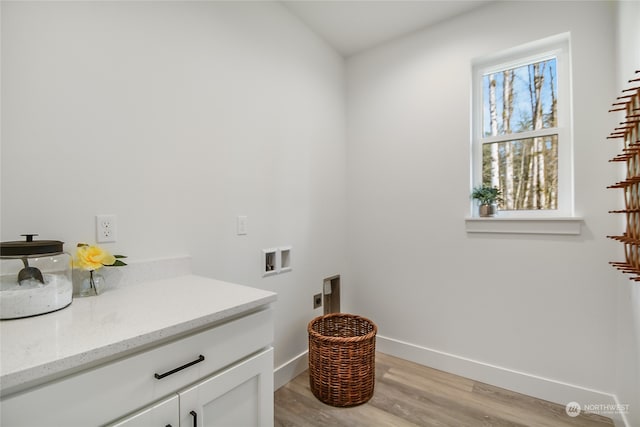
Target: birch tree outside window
522, 138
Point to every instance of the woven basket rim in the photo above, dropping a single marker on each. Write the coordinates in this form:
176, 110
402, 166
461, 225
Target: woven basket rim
358, 338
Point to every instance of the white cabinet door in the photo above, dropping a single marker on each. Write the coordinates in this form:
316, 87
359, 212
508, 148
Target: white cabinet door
241, 396
161, 414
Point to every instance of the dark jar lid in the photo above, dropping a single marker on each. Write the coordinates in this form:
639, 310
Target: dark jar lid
30, 247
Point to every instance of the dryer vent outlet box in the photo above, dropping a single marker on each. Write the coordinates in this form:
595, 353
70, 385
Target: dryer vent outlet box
331, 294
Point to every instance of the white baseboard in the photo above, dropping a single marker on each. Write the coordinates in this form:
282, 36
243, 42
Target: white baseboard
521, 382
289, 370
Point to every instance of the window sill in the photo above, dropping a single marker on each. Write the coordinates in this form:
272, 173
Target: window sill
562, 226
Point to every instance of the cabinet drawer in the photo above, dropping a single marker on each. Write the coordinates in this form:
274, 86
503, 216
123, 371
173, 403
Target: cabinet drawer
108, 392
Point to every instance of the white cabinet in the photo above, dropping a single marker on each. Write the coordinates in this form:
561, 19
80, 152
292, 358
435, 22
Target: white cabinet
223, 371
239, 396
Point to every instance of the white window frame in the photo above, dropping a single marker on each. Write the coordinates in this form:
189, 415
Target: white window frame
553, 47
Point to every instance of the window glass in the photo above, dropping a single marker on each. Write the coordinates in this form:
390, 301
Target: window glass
520, 99
527, 172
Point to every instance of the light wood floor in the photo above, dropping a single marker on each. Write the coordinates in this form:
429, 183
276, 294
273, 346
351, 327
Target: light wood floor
408, 394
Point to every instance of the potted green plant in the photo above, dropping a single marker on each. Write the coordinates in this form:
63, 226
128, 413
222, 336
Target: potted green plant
488, 198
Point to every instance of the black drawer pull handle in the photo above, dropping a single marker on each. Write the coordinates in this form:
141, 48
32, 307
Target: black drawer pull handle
179, 368
195, 418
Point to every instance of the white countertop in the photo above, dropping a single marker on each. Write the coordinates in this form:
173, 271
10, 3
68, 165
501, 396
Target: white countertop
118, 322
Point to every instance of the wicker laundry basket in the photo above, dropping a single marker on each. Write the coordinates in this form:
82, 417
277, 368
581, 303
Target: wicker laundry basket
342, 351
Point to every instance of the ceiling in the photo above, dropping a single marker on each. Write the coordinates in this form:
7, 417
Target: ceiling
351, 26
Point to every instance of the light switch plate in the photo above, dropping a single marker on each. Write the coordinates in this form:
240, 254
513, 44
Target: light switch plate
241, 225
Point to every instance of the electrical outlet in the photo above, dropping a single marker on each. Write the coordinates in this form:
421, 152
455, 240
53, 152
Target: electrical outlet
106, 228
317, 300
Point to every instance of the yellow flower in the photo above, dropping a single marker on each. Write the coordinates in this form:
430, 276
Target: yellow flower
92, 257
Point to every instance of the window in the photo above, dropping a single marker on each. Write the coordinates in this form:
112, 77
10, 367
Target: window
522, 140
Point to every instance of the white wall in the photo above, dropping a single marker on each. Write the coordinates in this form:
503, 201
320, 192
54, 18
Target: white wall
177, 117
534, 313
628, 361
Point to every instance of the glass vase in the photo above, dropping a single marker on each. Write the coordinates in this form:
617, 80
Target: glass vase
92, 285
